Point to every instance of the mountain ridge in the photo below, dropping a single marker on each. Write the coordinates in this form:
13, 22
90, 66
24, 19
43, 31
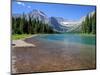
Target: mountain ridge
58, 23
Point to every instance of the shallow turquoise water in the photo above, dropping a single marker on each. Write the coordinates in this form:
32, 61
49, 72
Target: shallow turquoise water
69, 38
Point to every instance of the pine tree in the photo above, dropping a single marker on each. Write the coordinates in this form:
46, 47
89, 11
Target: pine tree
89, 24
22, 25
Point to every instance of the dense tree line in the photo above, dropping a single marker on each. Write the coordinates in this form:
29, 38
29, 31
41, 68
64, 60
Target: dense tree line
21, 25
89, 24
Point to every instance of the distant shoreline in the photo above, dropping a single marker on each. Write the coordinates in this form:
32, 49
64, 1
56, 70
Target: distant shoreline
24, 36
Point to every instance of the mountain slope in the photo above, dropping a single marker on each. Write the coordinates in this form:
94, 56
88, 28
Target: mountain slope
58, 23
37, 14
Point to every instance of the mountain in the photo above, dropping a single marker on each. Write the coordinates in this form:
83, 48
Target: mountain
34, 14
71, 25
58, 23
41, 16
75, 26
55, 23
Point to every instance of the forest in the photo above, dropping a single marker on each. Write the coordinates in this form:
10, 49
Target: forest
21, 25
89, 24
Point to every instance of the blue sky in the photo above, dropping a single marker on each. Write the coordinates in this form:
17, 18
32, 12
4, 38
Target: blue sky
67, 11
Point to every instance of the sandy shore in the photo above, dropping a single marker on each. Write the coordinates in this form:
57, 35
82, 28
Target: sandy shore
52, 57
22, 43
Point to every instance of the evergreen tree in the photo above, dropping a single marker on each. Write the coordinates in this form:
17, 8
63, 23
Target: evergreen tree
89, 24
28, 25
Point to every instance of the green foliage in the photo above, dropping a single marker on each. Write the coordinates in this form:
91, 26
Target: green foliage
21, 25
89, 24
20, 36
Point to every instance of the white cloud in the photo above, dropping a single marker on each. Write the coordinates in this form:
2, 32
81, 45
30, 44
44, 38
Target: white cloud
20, 3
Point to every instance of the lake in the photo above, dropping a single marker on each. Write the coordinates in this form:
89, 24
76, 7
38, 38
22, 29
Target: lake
76, 49
69, 38
56, 52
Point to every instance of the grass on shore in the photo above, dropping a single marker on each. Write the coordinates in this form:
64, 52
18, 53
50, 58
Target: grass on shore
20, 36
